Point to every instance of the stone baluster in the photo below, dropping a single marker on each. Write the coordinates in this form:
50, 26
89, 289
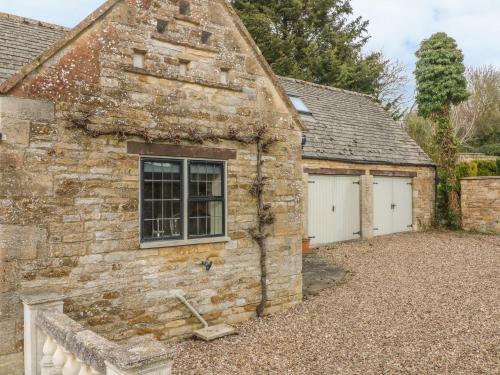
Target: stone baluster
84, 369
71, 367
33, 337
49, 348
59, 360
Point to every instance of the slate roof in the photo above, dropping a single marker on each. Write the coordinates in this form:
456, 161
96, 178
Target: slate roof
22, 40
352, 127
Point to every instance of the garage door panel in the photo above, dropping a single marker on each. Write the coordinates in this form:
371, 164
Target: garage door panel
346, 214
320, 212
333, 213
392, 205
382, 201
402, 195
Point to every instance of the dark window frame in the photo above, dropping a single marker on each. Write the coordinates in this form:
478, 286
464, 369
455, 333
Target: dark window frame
181, 200
221, 198
185, 198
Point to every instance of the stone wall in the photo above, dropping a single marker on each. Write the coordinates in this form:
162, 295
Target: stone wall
423, 191
69, 215
468, 157
480, 201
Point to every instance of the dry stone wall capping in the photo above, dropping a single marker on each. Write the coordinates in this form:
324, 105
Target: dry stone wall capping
480, 202
69, 202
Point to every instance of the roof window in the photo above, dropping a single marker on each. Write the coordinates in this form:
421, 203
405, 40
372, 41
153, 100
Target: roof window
299, 105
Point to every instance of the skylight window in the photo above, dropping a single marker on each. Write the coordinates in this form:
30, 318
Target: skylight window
299, 105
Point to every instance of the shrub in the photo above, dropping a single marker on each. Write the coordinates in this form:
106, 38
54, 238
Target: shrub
486, 168
465, 169
498, 167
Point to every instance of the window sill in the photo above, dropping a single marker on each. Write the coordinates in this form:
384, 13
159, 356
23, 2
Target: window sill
177, 243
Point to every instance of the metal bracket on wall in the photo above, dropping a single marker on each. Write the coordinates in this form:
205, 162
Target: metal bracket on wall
358, 233
311, 182
356, 182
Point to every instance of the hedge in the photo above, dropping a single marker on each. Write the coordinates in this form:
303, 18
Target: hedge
479, 168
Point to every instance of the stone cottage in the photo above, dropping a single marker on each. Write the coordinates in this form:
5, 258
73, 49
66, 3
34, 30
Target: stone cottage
150, 149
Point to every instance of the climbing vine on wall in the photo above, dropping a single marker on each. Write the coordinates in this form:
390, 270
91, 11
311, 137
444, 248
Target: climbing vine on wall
260, 137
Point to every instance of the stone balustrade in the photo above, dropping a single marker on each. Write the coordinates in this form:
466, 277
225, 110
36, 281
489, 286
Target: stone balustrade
57, 345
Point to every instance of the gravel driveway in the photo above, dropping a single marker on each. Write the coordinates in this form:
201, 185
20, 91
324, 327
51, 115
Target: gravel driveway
420, 303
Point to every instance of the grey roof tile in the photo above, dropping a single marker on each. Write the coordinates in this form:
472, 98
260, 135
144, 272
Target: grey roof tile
353, 127
22, 40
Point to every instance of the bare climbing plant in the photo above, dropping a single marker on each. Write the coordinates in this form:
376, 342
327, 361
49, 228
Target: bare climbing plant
260, 137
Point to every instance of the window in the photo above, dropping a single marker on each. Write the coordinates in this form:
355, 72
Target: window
138, 59
299, 105
161, 26
182, 199
184, 8
206, 199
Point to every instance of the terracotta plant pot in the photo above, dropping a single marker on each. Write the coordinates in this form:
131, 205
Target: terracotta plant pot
306, 242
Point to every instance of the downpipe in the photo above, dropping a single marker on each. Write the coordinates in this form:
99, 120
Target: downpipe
191, 308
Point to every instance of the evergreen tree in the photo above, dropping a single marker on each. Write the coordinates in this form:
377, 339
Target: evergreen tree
314, 40
441, 83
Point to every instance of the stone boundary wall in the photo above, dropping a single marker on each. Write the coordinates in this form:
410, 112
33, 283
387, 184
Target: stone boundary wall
480, 199
468, 157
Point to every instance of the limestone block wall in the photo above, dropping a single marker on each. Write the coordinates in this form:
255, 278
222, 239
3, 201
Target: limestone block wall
69, 202
480, 202
423, 190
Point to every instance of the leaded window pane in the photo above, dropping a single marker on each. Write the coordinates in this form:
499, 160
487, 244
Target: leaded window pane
205, 179
206, 218
162, 200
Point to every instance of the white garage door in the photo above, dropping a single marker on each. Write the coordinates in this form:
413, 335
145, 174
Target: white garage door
392, 205
333, 212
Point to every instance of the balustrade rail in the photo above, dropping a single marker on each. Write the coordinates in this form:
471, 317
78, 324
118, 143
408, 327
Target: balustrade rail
57, 345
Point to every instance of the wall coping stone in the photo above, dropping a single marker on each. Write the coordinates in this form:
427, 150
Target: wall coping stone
481, 178
41, 298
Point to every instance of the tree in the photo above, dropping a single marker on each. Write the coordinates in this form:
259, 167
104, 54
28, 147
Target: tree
314, 40
392, 89
423, 132
441, 84
477, 120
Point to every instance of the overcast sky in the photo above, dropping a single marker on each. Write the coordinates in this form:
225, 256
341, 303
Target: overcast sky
396, 26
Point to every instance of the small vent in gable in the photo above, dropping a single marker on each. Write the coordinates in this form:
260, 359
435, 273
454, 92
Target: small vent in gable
138, 59
184, 8
161, 26
205, 37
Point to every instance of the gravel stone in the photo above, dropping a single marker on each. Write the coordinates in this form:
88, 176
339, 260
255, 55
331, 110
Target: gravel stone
418, 303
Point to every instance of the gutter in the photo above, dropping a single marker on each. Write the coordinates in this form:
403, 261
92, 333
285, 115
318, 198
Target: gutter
431, 165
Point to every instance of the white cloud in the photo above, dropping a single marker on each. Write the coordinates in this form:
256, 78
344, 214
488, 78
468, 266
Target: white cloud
398, 26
